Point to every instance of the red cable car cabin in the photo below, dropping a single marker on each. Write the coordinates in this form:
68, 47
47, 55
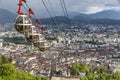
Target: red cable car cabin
22, 24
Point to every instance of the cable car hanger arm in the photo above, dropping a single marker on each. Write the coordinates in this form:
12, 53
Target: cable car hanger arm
20, 6
30, 11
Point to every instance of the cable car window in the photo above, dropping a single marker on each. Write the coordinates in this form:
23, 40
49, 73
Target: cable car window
34, 30
35, 37
19, 19
19, 28
27, 21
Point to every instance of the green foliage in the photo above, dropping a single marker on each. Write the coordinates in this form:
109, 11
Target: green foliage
101, 70
50, 41
4, 60
90, 76
115, 76
101, 74
44, 78
20, 75
77, 68
9, 72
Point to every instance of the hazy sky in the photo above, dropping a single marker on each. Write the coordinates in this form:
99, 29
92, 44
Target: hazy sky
83, 6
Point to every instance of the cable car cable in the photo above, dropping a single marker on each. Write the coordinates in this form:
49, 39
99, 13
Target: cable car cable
65, 8
61, 3
29, 8
51, 8
34, 18
66, 12
52, 11
48, 12
33, 15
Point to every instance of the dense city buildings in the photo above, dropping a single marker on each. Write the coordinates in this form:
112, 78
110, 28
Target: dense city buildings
94, 45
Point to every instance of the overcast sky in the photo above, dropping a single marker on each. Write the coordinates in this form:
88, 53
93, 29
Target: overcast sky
83, 6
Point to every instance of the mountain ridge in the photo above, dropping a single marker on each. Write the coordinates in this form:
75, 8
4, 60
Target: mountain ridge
108, 14
104, 17
7, 16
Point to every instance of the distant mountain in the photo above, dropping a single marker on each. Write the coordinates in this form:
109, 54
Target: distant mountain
79, 21
106, 15
77, 15
6, 16
109, 14
55, 20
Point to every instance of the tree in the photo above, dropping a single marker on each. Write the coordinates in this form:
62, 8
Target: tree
77, 68
102, 73
20, 75
90, 76
43, 78
116, 76
85, 68
2, 60
7, 71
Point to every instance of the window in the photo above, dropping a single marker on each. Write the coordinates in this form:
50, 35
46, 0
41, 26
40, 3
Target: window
19, 20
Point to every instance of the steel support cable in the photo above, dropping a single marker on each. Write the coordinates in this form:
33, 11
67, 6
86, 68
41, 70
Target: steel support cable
61, 3
26, 9
51, 7
65, 8
33, 15
48, 12
29, 8
52, 10
66, 12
